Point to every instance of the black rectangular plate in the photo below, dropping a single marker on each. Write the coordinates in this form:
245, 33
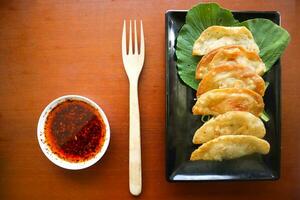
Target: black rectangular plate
181, 124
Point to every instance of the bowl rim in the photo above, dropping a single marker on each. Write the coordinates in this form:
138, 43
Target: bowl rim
47, 150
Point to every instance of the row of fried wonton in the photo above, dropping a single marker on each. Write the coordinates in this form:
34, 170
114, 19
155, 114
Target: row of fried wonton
231, 89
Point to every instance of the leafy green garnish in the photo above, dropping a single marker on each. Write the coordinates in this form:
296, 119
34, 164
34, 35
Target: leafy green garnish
205, 118
267, 84
265, 117
271, 38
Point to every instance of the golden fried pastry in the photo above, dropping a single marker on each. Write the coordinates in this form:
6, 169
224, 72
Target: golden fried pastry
218, 36
219, 101
230, 55
230, 147
230, 123
229, 76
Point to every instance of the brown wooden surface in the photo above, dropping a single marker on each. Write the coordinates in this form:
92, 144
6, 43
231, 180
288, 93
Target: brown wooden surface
53, 48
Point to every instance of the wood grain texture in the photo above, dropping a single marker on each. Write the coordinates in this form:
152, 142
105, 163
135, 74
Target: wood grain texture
53, 48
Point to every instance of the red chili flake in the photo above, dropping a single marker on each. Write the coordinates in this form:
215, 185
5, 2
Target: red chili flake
74, 131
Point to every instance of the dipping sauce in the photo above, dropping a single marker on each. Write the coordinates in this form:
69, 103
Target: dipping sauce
75, 131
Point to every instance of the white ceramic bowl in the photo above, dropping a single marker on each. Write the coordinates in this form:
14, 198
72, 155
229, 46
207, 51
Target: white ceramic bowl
45, 147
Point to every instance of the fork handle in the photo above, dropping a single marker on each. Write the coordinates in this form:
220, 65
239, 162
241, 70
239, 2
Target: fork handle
135, 165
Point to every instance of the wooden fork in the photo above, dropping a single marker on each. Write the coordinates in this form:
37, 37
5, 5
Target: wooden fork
133, 63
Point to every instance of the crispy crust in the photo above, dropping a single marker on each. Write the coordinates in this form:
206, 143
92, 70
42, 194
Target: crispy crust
230, 147
219, 101
217, 36
230, 123
229, 76
228, 54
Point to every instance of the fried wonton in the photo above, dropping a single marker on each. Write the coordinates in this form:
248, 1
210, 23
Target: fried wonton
219, 101
229, 76
230, 55
230, 123
218, 36
230, 147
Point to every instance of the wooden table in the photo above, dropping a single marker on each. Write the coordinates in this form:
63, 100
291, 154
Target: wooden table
53, 48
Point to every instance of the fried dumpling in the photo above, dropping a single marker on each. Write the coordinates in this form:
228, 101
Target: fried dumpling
219, 101
230, 55
230, 147
229, 76
230, 123
217, 36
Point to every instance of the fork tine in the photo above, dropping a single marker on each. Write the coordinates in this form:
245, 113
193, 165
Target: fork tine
124, 39
136, 52
130, 39
142, 49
